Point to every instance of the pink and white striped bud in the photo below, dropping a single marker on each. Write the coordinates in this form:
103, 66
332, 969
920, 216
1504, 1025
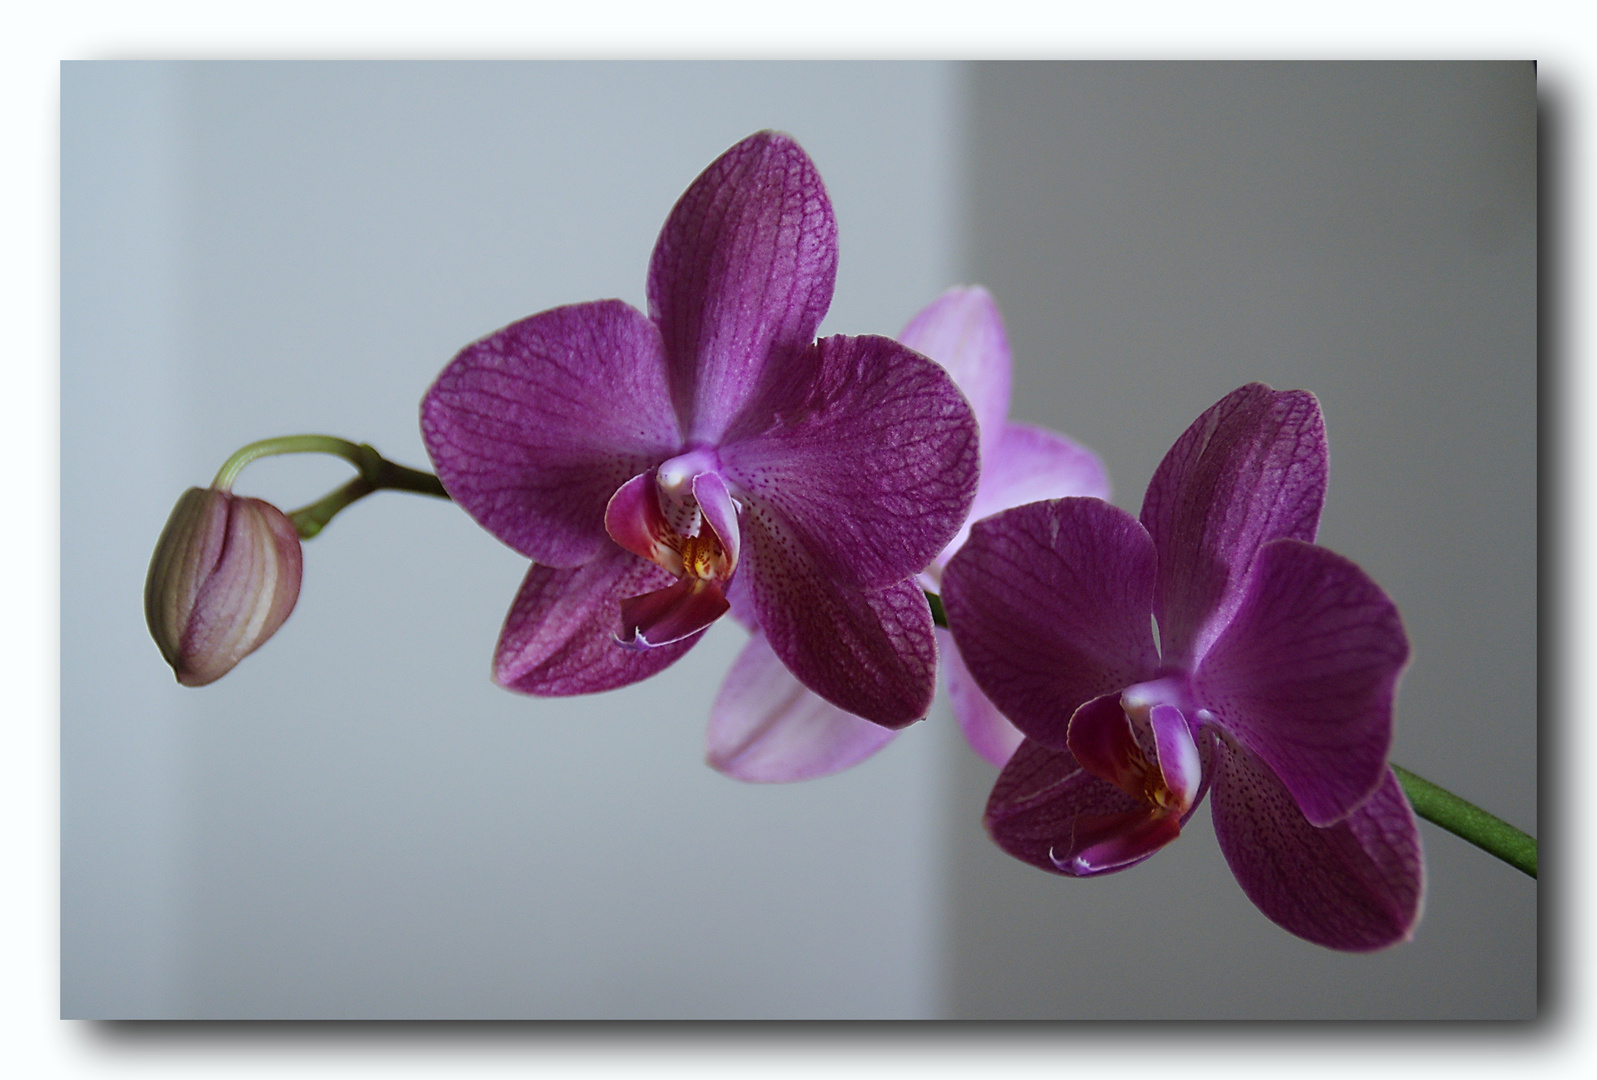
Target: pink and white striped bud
224, 576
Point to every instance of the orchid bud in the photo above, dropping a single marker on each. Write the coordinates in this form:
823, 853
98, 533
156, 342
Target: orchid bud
224, 576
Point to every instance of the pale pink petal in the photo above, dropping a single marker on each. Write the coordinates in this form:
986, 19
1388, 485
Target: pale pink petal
964, 332
1249, 470
766, 727
1179, 762
989, 733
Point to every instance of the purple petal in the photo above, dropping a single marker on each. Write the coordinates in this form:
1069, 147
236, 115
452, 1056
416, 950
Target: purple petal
986, 729
869, 463
741, 276
1101, 739
715, 503
1179, 762
766, 727
963, 331
560, 636
533, 428
1047, 810
1250, 470
1356, 885
634, 520
1027, 465
1305, 674
670, 614
1050, 605
868, 653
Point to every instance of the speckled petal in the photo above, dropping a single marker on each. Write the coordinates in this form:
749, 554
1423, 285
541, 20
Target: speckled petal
870, 465
767, 727
1357, 885
1305, 675
1050, 607
1249, 470
964, 332
741, 277
868, 653
533, 428
1046, 810
560, 636
989, 733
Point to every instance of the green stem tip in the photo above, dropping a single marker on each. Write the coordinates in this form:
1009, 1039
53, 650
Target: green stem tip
1469, 822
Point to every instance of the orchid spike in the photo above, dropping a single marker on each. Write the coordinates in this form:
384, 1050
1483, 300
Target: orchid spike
1271, 685
764, 725
661, 469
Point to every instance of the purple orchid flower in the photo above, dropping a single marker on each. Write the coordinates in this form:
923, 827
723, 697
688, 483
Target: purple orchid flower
765, 726
1270, 684
661, 469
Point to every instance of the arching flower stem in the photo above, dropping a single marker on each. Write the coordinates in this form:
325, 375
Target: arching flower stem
377, 473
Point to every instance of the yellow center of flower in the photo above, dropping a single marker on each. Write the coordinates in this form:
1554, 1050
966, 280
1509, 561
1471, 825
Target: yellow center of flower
1150, 778
702, 555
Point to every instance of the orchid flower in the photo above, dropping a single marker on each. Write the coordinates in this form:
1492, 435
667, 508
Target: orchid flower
660, 469
1270, 683
765, 726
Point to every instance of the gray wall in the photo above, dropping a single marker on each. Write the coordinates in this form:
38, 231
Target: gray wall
1159, 234
355, 822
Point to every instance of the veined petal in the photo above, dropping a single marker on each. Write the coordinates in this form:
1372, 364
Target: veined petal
767, 727
560, 635
868, 653
741, 276
1249, 470
869, 463
1050, 607
1025, 465
964, 332
534, 427
987, 730
1048, 811
1305, 674
1357, 885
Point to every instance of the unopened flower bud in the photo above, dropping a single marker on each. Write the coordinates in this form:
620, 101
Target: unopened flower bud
224, 576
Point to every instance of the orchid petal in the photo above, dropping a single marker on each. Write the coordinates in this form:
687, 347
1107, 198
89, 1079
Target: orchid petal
534, 427
560, 635
1102, 740
766, 727
1050, 605
1026, 465
987, 730
869, 653
963, 331
869, 463
715, 504
1249, 470
679, 610
1179, 761
634, 520
741, 277
1357, 885
1305, 674
1047, 810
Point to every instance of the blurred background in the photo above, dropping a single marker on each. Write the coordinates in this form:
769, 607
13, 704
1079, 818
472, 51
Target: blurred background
356, 823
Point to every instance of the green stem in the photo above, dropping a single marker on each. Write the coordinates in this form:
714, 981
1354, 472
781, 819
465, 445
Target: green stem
1437, 805
1466, 820
377, 473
